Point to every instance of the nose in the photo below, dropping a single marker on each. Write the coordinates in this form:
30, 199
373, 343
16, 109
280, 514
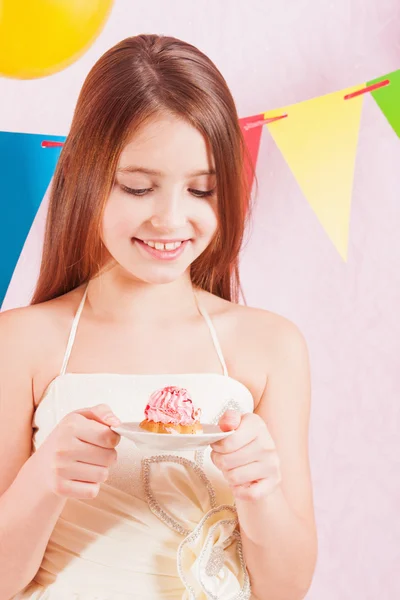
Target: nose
169, 215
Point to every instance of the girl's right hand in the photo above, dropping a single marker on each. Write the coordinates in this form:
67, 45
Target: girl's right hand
77, 455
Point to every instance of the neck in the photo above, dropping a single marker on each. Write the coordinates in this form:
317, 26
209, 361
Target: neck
113, 295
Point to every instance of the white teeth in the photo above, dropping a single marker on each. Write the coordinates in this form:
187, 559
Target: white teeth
172, 245
161, 246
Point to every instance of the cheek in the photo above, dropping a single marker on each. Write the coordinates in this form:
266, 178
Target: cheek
117, 222
208, 220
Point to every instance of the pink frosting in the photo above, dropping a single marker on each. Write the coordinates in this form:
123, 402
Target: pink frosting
171, 405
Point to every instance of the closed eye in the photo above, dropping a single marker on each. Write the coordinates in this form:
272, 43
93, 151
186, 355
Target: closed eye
144, 191
141, 192
202, 194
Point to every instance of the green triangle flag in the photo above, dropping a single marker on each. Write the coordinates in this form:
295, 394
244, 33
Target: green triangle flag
388, 98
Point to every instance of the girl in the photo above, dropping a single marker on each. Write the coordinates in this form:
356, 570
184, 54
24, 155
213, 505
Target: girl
138, 290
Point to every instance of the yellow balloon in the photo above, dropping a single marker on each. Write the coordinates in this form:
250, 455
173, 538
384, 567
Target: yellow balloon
41, 37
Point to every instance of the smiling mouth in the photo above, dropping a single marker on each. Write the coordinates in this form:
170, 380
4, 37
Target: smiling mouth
166, 250
167, 245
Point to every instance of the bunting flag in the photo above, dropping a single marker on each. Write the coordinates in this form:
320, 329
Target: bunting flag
26, 171
388, 98
319, 140
252, 129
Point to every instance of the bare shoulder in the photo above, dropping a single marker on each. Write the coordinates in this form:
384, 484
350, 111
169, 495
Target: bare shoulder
25, 337
19, 328
256, 342
28, 325
30, 335
280, 335
261, 326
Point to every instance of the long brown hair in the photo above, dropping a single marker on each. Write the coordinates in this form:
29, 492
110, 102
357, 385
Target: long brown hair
138, 78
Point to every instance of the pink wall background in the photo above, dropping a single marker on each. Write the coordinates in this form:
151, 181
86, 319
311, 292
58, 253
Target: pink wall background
273, 54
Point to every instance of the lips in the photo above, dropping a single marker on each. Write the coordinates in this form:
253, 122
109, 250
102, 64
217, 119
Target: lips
162, 250
165, 245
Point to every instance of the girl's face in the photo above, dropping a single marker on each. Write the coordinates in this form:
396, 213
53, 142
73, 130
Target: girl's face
162, 211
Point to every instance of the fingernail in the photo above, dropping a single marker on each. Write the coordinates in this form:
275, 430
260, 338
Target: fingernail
112, 420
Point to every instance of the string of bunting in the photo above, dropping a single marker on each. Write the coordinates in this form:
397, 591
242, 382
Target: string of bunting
318, 139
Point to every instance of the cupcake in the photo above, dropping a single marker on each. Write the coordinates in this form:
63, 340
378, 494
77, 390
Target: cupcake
171, 410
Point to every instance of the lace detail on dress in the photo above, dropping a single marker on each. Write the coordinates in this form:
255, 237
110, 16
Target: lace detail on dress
210, 560
154, 505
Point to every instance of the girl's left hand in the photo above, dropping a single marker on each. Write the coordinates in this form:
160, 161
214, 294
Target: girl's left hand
247, 458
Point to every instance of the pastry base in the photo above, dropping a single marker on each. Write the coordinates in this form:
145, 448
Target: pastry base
166, 427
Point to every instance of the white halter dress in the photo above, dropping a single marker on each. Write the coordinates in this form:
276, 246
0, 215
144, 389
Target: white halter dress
162, 526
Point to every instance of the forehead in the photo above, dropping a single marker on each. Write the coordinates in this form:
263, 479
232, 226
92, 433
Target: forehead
168, 144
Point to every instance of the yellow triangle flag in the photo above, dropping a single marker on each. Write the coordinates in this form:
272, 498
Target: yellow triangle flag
318, 139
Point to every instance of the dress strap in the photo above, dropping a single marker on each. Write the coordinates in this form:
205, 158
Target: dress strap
213, 333
72, 334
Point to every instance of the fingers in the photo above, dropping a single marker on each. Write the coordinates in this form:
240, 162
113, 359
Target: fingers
243, 456
256, 490
96, 434
79, 471
91, 431
82, 452
239, 471
245, 474
94, 455
76, 489
248, 458
249, 429
230, 420
101, 413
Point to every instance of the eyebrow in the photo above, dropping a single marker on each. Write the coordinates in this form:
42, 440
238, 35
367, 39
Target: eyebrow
132, 169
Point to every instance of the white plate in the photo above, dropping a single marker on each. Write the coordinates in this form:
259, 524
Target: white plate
170, 442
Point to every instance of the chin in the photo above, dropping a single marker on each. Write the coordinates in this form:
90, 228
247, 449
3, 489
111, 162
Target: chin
158, 276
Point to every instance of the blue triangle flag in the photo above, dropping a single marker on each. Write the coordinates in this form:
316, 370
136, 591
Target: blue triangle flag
26, 170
